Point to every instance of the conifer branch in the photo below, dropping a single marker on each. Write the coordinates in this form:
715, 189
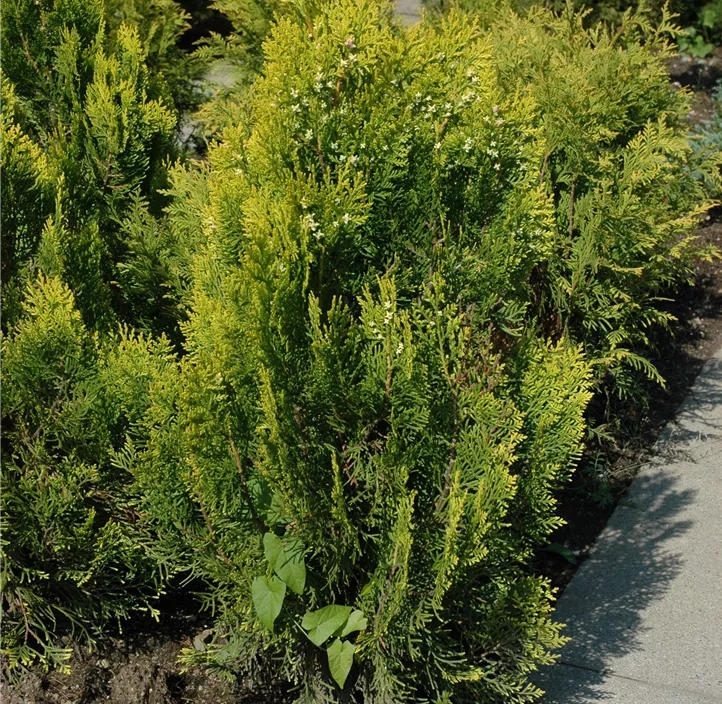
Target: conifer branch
244, 487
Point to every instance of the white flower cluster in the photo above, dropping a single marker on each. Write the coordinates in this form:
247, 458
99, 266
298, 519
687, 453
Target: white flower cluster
310, 222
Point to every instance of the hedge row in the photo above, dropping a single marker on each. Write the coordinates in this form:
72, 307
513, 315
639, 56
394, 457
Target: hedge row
336, 372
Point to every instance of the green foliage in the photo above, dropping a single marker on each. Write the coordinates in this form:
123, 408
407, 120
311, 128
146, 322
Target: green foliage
90, 139
87, 129
709, 135
27, 195
388, 290
175, 76
699, 39
236, 59
73, 554
360, 384
627, 187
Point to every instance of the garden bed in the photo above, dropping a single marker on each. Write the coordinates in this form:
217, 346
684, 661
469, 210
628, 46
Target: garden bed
140, 665
200, 420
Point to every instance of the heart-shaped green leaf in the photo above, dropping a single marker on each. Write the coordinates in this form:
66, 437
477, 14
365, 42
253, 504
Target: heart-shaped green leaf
340, 660
323, 623
267, 599
356, 622
286, 560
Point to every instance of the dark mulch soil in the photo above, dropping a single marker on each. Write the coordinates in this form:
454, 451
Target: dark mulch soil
140, 666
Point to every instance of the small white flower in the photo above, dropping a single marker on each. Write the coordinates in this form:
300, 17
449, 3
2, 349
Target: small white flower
437, 146
497, 166
330, 84
296, 107
495, 109
353, 159
309, 134
350, 42
387, 305
400, 348
342, 158
294, 93
334, 145
388, 317
346, 218
385, 147
319, 76
467, 145
343, 63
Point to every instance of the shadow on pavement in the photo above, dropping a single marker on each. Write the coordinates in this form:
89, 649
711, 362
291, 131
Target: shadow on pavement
632, 567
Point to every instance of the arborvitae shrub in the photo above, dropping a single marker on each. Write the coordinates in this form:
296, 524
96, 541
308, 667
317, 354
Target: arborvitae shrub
74, 557
81, 97
361, 423
396, 268
175, 75
87, 130
27, 196
627, 186
236, 58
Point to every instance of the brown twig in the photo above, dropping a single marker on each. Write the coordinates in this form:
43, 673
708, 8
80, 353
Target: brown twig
571, 208
544, 167
244, 488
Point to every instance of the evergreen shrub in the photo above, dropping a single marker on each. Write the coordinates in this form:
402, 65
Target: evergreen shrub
74, 557
86, 132
627, 185
360, 449
81, 123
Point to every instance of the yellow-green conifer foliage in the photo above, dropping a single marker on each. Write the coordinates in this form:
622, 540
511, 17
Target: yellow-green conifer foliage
360, 450
73, 555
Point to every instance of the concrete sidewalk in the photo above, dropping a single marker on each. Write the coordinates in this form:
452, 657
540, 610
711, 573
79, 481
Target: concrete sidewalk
408, 11
645, 610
